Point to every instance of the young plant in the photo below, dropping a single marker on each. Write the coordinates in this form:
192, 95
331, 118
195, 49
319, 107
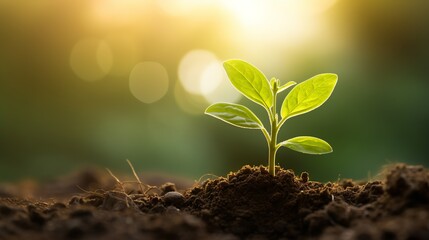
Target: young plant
253, 84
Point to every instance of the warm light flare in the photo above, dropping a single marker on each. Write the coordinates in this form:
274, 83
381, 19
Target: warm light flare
148, 81
288, 21
201, 73
119, 11
192, 68
91, 59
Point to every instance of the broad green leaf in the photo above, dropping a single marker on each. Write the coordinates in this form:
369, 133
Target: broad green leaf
305, 144
286, 86
308, 95
251, 82
235, 114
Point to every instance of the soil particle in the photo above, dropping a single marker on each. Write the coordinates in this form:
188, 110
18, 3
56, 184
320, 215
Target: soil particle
247, 204
174, 198
168, 187
305, 177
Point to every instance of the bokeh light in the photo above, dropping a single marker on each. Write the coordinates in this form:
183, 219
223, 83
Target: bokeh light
224, 92
211, 77
215, 85
192, 68
204, 80
91, 59
148, 81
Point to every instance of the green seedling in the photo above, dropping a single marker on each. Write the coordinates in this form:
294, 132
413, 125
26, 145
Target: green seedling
253, 84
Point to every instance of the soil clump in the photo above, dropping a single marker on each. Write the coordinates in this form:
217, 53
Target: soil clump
247, 204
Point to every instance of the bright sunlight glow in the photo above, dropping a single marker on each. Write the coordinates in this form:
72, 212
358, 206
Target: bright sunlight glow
278, 20
191, 72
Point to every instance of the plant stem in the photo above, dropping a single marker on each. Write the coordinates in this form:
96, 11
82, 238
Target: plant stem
272, 151
272, 147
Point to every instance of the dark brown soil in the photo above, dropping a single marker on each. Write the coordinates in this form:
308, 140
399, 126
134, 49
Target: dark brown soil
248, 204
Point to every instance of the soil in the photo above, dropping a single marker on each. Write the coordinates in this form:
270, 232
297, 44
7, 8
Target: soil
247, 204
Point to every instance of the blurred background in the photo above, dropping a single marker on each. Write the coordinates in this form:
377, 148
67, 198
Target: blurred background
93, 83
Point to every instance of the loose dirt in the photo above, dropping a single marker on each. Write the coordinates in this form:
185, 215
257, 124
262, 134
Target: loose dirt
247, 204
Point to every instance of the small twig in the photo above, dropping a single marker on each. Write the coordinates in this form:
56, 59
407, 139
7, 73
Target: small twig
142, 186
116, 179
150, 188
136, 176
129, 182
91, 192
121, 185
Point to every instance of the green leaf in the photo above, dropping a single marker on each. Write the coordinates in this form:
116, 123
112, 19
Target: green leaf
305, 144
251, 82
235, 114
308, 95
286, 86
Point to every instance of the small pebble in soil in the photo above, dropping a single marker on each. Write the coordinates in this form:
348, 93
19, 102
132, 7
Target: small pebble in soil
168, 187
174, 198
305, 177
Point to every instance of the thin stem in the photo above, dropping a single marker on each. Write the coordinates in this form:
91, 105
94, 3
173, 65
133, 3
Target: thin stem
272, 148
272, 152
281, 122
267, 135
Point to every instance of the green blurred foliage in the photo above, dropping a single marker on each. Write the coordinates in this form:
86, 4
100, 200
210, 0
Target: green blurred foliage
52, 122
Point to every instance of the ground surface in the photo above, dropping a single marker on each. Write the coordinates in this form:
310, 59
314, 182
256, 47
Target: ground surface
247, 204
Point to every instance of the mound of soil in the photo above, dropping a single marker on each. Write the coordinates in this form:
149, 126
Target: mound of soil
247, 204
